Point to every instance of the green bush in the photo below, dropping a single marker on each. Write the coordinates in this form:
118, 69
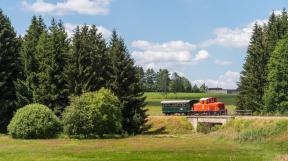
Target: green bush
34, 121
93, 114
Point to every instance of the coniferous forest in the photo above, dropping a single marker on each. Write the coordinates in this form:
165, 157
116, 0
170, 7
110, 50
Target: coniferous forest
264, 83
47, 67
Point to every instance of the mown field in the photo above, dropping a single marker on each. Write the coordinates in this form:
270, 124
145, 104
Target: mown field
169, 138
154, 99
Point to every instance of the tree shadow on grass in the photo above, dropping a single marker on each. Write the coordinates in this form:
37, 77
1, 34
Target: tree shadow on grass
161, 130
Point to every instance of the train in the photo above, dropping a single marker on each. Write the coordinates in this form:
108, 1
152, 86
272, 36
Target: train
204, 106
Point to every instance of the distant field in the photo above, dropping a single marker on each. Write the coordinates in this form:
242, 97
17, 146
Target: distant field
154, 99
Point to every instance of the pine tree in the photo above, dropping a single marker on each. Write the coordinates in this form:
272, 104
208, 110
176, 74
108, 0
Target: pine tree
187, 87
28, 83
163, 81
9, 70
125, 84
150, 80
88, 62
253, 77
276, 93
176, 83
195, 89
203, 88
52, 51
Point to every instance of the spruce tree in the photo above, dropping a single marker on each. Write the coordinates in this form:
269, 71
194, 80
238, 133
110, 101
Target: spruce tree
9, 70
253, 77
52, 51
255, 70
163, 81
28, 82
126, 86
88, 61
276, 93
150, 80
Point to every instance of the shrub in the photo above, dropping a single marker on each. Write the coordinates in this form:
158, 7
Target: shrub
92, 114
34, 121
260, 133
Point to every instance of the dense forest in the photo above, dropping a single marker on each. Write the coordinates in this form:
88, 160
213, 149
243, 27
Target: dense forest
46, 66
165, 81
264, 80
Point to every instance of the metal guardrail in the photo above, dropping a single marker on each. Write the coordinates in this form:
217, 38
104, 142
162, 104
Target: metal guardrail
243, 113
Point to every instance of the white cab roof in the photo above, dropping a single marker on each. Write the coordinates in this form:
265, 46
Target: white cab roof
203, 99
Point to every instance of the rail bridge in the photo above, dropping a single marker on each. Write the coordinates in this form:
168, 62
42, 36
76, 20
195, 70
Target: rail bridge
209, 119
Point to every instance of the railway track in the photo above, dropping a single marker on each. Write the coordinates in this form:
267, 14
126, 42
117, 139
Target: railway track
235, 116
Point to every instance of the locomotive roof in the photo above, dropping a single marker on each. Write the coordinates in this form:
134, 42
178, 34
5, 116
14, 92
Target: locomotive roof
205, 98
176, 101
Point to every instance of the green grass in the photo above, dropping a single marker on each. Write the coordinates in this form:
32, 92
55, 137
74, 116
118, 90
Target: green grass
175, 142
138, 148
170, 138
154, 99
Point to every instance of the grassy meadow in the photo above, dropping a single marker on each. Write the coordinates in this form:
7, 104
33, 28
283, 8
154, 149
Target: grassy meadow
154, 99
169, 138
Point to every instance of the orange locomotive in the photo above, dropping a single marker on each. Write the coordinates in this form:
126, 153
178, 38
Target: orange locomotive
209, 106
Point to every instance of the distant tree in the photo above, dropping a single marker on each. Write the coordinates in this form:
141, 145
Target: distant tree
88, 67
187, 87
52, 51
141, 76
28, 82
176, 83
9, 70
126, 86
163, 80
203, 88
276, 98
195, 89
150, 80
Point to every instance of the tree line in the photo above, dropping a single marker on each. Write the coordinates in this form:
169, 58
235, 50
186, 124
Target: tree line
46, 66
264, 80
165, 81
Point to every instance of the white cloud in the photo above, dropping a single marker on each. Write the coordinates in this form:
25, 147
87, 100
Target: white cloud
88, 7
238, 37
222, 62
166, 54
71, 27
227, 81
202, 55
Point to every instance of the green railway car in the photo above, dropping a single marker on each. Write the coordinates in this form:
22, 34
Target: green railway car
177, 106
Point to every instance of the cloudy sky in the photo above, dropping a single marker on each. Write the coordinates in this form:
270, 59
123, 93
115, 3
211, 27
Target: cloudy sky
204, 40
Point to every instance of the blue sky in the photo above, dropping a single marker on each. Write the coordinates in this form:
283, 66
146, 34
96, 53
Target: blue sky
205, 40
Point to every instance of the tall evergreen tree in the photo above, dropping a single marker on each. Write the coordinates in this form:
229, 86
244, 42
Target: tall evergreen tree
9, 70
187, 87
150, 80
88, 62
253, 78
276, 93
52, 51
255, 70
203, 88
176, 83
163, 81
125, 84
28, 83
